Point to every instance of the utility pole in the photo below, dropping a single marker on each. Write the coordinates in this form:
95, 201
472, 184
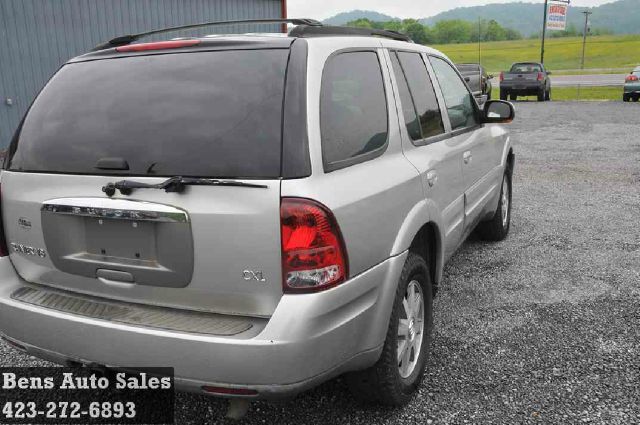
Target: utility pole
479, 30
584, 35
544, 30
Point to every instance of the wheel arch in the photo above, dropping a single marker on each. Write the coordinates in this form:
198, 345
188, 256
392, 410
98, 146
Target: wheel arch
422, 233
426, 244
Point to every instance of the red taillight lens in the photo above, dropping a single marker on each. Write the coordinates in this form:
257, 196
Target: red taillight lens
502, 76
160, 45
4, 251
540, 76
313, 253
631, 78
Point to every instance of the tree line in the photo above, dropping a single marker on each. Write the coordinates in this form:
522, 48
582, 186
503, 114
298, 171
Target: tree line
444, 32
461, 31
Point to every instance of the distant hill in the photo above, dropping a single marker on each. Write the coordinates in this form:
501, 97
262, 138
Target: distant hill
343, 18
620, 17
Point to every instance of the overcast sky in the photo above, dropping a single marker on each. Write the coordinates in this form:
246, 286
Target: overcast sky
322, 9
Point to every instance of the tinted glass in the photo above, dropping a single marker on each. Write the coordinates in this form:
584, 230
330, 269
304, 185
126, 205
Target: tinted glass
408, 107
423, 94
214, 114
467, 68
353, 107
525, 68
459, 102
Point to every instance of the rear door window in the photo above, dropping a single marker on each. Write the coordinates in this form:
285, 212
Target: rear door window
411, 73
459, 101
353, 109
208, 114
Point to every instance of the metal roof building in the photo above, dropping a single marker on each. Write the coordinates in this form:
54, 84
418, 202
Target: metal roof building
37, 36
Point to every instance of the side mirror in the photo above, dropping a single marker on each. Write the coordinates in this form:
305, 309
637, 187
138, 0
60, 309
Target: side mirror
498, 111
549, 72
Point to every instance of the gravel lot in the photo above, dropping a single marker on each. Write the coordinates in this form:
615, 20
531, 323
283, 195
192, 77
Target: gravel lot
541, 328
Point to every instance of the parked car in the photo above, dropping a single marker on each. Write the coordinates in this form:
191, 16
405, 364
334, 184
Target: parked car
261, 213
632, 86
477, 79
525, 79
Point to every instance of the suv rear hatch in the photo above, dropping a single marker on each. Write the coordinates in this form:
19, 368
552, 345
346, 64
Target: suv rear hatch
145, 118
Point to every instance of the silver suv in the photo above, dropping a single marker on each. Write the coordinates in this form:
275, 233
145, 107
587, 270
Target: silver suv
261, 213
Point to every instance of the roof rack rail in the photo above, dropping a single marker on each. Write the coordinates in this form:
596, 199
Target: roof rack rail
305, 31
128, 39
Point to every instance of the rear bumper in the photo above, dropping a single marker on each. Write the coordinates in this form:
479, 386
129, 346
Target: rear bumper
309, 338
632, 88
529, 87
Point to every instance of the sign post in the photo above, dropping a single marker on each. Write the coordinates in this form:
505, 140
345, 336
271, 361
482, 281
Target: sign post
555, 18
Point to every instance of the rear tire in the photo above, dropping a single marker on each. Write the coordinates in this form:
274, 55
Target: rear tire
541, 96
636, 98
513, 97
498, 227
625, 97
391, 381
503, 95
547, 95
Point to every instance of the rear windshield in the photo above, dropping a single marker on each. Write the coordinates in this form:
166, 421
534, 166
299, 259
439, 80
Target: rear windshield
207, 114
467, 68
524, 68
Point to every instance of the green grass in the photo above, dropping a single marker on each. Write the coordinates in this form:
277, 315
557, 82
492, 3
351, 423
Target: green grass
602, 52
573, 93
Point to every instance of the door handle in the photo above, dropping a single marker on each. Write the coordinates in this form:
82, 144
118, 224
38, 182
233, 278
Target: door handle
466, 157
432, 178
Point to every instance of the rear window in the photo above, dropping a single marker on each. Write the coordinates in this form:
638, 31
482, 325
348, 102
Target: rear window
467, 68
524, 68
207, 114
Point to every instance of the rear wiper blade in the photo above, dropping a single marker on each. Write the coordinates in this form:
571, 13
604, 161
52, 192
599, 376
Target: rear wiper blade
172, 184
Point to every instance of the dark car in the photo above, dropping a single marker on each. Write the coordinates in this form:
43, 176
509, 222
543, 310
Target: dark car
632, 86
477, 78
526, 79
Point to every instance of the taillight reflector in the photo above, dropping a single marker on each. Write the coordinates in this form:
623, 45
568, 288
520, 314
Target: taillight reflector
631, 78
4, 251
502, 76
540, 76
159, 45
229, 391
313, 253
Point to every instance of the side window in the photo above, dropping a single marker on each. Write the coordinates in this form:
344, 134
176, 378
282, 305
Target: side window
460, 103
408, 107
353, 109
417, 90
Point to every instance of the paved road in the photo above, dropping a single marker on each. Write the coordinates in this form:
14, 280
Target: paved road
543, 327
583, 80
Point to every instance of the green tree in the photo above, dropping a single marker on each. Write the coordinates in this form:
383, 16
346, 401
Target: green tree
415, 30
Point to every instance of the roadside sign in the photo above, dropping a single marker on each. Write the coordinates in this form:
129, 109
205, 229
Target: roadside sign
557, 16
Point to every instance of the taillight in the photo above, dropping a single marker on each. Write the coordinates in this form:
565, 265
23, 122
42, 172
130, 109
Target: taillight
540, 76
159, 45
631, 78
502, 76
4, 251
313, 253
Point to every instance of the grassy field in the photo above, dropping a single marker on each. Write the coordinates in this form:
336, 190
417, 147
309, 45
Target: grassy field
573, 93
603, 52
